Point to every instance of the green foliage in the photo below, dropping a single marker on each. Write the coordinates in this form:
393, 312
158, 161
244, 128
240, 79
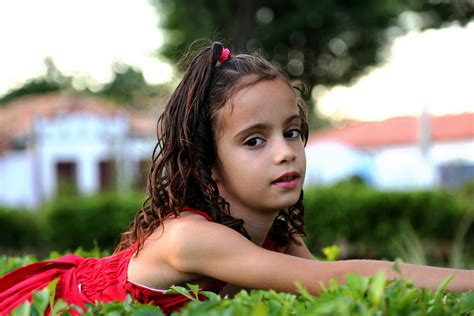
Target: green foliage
87, 222
70, 222
371, 221
43, 303
95, 252
322, 41
424, 227
330, 253
34, 86
127, 88
409, 246
318, 42
18, 228
358, 296
54, 80
8, 263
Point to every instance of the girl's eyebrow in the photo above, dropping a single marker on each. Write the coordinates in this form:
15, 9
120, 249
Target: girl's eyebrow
263, 126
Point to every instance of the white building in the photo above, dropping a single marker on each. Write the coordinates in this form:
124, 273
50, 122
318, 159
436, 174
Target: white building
56, 142
399, 153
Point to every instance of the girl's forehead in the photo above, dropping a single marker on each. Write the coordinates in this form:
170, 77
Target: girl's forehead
256, 96
253, 93
265, 99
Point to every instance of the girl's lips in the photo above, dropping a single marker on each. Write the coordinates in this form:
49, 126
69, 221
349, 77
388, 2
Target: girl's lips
288, 180
286, 184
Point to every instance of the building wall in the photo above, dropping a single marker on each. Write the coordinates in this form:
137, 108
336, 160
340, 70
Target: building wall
408, 167
78, 138
446, 152
403, 167
83, 139
17, 180
397, 167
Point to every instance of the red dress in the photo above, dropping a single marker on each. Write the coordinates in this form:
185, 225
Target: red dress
87, 280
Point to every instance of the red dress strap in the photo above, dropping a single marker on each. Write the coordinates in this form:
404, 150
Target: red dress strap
202, 213
189, 209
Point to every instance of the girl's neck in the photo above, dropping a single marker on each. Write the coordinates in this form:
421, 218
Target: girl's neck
256, 224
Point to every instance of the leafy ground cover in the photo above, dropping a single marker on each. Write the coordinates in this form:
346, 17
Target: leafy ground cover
358, 296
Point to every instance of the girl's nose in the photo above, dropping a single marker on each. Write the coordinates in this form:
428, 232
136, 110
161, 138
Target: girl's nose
283, 152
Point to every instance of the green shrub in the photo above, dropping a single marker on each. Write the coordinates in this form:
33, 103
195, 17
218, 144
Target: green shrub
8, 263
19, 229
87, 222
370, 220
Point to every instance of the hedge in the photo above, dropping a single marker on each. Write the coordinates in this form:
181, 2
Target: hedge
371, 220
365, 219
19, 229
86, 222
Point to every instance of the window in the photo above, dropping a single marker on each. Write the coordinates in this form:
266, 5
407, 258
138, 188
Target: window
107, 176
455, 174
66, 178
142, 174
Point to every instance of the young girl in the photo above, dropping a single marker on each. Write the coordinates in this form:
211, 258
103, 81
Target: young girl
224, 209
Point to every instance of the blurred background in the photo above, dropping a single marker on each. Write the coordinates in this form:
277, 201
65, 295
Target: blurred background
391, 108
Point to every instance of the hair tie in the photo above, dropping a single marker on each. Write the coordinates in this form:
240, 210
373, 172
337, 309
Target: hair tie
225, 54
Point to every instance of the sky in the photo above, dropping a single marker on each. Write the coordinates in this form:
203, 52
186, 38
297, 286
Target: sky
81, 36
432, 70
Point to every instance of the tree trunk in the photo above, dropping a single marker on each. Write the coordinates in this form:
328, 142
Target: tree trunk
244, 23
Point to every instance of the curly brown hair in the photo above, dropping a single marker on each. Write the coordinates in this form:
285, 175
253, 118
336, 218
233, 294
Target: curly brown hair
180, 173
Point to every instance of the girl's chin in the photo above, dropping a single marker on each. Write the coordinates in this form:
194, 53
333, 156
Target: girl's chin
286, 204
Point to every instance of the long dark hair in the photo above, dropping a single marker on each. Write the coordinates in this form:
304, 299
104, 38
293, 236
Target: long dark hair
180, 173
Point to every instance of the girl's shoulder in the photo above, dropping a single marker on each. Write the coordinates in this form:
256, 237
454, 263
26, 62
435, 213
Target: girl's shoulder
155, 264
191, 225
188, 236
189, 220
174, 228
191, 229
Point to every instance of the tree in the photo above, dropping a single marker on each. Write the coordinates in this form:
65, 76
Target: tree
52, 81
325, 41
128, 86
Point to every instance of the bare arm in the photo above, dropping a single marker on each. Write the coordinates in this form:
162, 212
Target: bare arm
422, 276
300, 250
293, 249
216, 251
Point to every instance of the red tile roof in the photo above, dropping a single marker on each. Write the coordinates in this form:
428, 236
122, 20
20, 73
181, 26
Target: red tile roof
398, 131
17, 116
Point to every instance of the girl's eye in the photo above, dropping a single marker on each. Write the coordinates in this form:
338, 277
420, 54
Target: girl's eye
255, 141
293, 133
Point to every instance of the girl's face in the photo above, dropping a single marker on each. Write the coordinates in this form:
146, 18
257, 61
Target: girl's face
261, 160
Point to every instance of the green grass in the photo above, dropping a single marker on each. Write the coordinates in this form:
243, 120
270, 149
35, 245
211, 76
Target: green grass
358, 296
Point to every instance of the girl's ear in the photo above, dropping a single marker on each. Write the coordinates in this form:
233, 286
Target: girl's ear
215, 173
